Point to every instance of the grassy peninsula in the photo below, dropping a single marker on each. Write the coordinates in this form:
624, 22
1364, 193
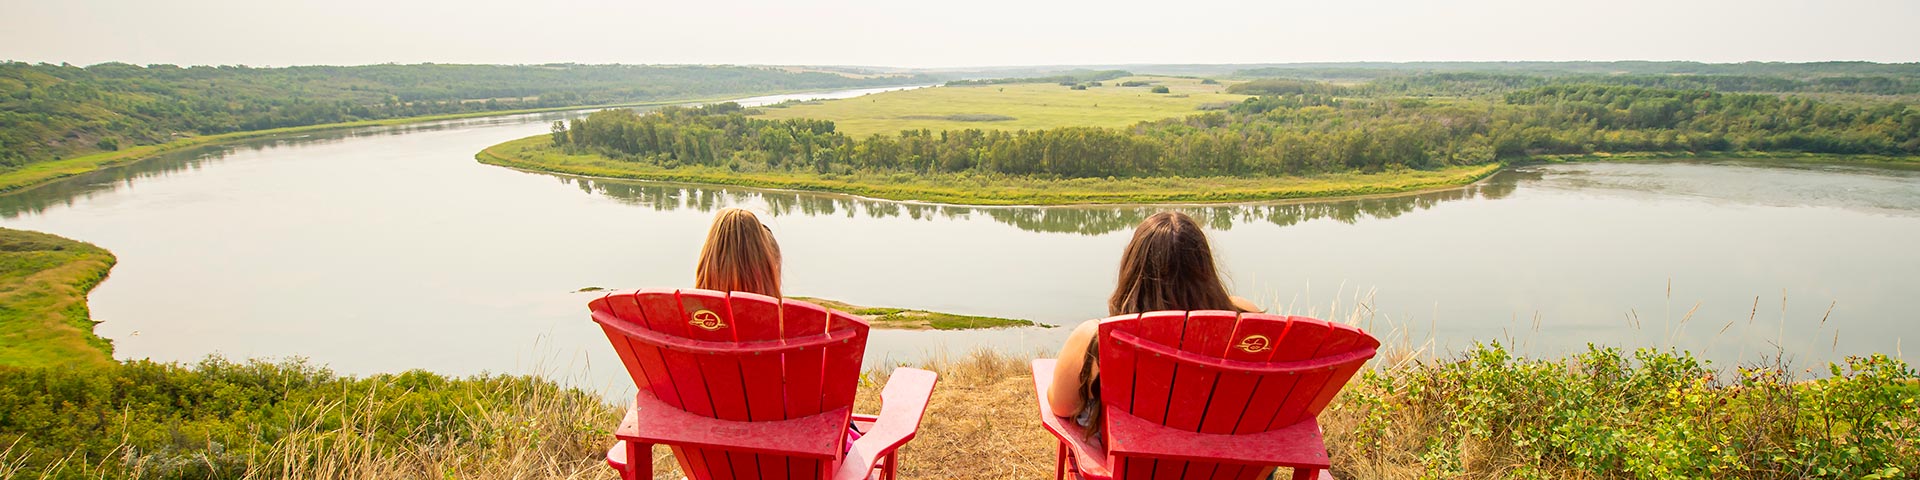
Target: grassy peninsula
535, 153
1046, 143
44, 280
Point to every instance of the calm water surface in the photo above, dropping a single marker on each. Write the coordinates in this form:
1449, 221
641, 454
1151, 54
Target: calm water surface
386, 249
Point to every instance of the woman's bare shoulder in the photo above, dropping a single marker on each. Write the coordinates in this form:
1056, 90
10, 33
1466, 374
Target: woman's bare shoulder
1244, 305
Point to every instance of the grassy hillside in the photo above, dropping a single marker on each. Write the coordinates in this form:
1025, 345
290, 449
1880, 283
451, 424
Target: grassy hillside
1483, 413
44, 281
1020, 106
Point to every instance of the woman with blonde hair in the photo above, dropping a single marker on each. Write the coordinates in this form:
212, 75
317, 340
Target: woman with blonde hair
1167, 266
740, 256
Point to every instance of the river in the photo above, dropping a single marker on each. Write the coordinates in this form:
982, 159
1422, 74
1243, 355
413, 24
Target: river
389, 248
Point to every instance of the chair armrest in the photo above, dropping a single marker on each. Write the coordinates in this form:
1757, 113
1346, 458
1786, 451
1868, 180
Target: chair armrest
1092, 459
902, 404
652, 421
1299, 445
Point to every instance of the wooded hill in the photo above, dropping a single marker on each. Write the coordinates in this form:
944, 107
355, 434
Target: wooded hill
55, 111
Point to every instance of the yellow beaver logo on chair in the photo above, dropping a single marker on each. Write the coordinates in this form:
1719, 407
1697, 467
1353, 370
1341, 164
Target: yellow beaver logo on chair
707, 320
1254, 344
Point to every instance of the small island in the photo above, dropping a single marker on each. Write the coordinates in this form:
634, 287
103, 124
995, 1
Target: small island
890, 318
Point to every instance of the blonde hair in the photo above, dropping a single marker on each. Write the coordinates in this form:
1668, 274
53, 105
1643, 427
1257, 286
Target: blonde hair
740, 256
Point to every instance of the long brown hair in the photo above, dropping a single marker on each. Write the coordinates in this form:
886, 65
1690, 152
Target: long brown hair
1167, 266
740, 256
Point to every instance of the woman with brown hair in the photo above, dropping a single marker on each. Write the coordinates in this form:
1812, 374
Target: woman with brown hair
1167, 266
739, 256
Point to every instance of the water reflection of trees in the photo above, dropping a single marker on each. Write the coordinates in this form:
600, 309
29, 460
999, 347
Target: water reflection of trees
1085, 220
68, 190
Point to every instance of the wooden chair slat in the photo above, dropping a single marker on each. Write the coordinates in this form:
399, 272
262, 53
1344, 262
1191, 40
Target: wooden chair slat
1205, 333
1344, 374
1299, 403
646, 362
643, 363
1153, 375
1252, 340
765, 386
842, 362
1253, 473
665, 314
1206, 471
1116, 366
710, 317
803, 369
1271, 398
1134, 468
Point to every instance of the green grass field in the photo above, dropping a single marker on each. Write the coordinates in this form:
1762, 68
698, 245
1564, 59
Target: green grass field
44, 281
537, 153
1026, 106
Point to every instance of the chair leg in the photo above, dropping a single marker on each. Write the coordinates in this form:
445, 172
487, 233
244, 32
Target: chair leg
1060, 462
639, 462
1311, 474
893, 465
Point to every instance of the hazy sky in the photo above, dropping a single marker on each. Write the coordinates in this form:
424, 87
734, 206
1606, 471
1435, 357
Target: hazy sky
922, 33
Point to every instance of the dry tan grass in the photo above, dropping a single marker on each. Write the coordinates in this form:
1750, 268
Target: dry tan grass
981, 424
545, 433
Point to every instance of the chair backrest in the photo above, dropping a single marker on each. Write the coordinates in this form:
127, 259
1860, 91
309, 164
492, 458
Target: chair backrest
1224, 372
736, 356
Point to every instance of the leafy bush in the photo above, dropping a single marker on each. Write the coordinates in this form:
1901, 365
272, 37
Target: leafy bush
222, 419
1649, 415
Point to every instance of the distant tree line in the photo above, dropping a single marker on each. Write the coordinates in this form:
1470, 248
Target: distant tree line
1069, 78
49, 111
1493, 84
1370, 70
1302, 133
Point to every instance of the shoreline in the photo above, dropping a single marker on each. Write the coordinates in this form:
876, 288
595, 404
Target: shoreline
45, 282
40, 174
1305, 193
493, 155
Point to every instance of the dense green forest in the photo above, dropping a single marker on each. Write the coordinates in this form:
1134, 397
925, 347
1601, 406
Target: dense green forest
1308, 131
1485, 83
54, 111
1369, 70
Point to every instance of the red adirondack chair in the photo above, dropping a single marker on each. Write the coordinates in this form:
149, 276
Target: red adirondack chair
749, 386
1208, 395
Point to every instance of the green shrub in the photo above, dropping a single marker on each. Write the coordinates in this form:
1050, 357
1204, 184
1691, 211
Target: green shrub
1653, 414
222, 419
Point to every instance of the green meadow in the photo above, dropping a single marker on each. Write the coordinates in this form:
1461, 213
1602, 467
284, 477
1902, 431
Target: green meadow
44, 281
1018, 106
